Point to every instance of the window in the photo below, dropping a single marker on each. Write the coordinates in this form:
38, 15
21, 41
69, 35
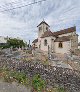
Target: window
40, 28
60, 45
45, 42
47, 28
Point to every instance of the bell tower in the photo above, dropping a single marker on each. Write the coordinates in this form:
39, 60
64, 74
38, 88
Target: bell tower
42, 27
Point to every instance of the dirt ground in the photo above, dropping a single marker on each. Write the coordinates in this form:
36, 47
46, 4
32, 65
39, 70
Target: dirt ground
14, 87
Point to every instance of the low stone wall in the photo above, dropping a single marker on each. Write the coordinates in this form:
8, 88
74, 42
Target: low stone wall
54, 76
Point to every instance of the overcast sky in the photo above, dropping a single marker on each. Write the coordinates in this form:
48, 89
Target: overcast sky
22, 22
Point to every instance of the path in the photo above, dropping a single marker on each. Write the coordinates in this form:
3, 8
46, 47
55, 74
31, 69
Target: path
7, 87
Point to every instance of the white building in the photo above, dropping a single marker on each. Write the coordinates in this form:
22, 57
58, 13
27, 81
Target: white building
3, 40
62, 41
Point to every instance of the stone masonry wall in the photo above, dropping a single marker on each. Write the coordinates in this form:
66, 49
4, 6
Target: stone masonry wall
74, 43
54, 76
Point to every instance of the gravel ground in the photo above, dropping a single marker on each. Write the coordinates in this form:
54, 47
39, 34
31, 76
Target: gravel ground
14, 87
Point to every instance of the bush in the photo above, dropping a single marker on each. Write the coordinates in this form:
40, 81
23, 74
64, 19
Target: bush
15, 43
38, 83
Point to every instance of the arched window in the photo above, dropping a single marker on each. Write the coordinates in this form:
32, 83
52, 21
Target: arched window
60, 45
45, 42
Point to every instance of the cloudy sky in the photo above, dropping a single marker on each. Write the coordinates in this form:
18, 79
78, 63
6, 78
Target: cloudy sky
22, 22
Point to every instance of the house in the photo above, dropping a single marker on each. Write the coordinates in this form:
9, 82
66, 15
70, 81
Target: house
3, 40
62, 41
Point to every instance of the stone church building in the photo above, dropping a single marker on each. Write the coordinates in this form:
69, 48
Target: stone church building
63, 41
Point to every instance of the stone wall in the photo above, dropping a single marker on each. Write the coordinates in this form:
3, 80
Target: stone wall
74, 42
54, 76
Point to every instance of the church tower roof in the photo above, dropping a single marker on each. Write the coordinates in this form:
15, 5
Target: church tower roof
43, 22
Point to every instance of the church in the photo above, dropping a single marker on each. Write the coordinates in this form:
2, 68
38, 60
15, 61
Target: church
63, 41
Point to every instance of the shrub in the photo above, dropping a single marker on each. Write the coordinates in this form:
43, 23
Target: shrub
38, 83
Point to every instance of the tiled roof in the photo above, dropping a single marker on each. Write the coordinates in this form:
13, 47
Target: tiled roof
35, 41
62, 39
42, 23
47, 34
55, 34
68, 30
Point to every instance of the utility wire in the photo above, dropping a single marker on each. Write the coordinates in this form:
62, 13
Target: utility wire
3, 6
35, 2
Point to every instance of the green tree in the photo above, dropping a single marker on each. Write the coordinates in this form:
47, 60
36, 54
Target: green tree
15, 43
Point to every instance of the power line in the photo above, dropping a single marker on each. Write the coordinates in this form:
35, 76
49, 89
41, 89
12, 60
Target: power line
3, 6
16, 2
35, 2
8, 4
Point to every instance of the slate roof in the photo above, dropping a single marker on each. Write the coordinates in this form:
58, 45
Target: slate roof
35, 41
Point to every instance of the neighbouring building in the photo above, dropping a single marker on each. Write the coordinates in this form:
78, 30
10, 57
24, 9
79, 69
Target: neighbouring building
63, 41
3, 40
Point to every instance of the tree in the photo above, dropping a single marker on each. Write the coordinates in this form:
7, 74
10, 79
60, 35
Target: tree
15, 43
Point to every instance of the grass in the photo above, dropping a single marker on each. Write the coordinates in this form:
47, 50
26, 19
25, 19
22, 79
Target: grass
38, 83
10, 76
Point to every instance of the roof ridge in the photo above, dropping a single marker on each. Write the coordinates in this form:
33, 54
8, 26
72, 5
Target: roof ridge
67, 28
43, 22
64, 31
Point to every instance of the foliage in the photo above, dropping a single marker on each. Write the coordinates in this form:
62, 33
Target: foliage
38, 84
15, 43
20, 77
10, 76
4, 46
